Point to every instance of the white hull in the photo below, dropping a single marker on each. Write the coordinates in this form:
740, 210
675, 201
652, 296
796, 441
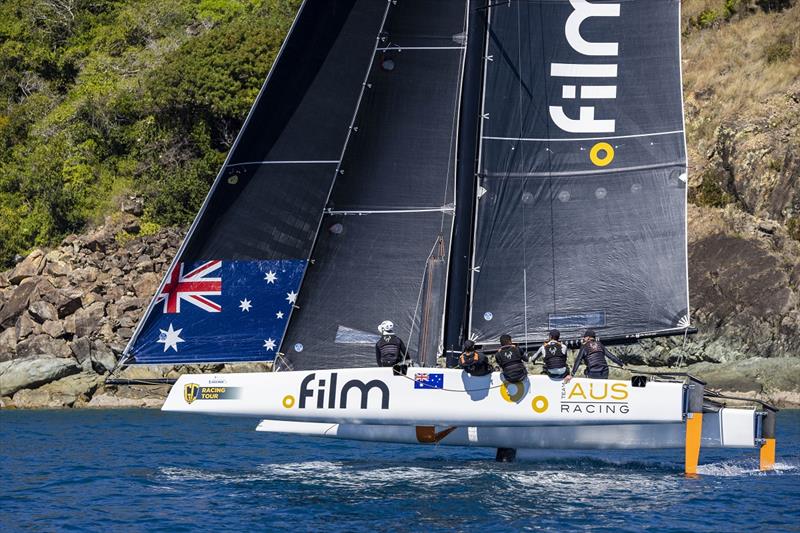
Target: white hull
376, 396
730, 428
450, 407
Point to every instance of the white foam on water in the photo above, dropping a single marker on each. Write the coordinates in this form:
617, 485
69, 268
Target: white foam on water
749, 467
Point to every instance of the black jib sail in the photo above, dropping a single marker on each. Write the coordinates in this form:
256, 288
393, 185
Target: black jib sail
341, 181
231, 289
382, 248
581, 206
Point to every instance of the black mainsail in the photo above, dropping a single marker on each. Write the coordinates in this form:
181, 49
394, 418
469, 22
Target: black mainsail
581, 205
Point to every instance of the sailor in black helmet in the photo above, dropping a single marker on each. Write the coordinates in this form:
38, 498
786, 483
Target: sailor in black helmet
511, 360
595, 354
389, 350
474, 362
555, 357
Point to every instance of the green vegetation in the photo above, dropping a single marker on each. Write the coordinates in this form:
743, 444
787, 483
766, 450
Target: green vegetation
100, 98
711, 191
779, 50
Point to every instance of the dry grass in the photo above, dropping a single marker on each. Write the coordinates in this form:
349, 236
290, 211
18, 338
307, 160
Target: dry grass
732, 67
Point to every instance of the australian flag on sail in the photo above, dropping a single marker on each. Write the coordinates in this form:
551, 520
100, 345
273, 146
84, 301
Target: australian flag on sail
220, 311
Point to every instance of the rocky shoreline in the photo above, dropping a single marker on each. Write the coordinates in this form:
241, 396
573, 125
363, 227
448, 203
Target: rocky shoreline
66, 314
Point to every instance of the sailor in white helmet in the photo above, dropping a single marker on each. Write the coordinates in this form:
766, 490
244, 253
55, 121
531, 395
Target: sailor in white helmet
390, 349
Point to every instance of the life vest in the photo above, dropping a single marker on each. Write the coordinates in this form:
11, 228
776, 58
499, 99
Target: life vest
595, 356
468, 359
555, 355
389, 348
510, 360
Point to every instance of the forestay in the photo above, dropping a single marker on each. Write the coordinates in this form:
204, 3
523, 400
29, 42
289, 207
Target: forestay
581, 210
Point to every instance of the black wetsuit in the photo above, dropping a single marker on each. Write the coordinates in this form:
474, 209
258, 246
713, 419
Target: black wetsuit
555, 359
475, 363
511, 363
595, 354
390, 351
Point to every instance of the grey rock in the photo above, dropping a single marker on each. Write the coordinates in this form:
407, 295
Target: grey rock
30, 266
26, 326
70, 325
41, 311
54, 328
128, 303
132, 205
108, 400
57, 269
144, 266
103, 358
81, 348
147, 285
58, 394
87, 274
8, 344
131, 226
29, 373
18, 302
67, 301
87, 319
42, 346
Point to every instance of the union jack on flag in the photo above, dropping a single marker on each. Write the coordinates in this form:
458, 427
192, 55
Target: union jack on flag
424, 380
192, 287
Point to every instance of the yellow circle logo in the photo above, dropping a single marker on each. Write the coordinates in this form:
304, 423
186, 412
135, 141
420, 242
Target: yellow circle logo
540, 404
608, 154
288, 401
519, 391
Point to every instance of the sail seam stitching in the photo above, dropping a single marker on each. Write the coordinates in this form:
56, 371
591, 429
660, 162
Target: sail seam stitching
401, 48
298, 162
442, 209
522, 175
533, 139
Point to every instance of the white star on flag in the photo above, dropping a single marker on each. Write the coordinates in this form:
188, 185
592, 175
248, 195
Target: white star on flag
291, 297
170, 338
245, 305
279, 314
270, 277
269, 344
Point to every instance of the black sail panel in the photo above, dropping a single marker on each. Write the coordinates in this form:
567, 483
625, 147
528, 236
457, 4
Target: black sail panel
393, 199
229, 293
582, 177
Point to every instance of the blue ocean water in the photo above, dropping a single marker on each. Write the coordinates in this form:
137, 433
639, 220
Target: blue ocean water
139, 470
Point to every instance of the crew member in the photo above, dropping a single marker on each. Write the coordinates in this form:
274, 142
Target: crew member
511, 360
555, 357
595, 354
474, 362
390, 349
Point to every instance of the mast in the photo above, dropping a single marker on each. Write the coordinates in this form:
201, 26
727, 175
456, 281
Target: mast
472, 89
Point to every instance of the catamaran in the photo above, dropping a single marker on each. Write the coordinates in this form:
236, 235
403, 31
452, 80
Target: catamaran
466, 169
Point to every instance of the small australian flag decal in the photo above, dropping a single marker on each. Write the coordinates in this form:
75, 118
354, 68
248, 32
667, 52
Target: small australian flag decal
425, 380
